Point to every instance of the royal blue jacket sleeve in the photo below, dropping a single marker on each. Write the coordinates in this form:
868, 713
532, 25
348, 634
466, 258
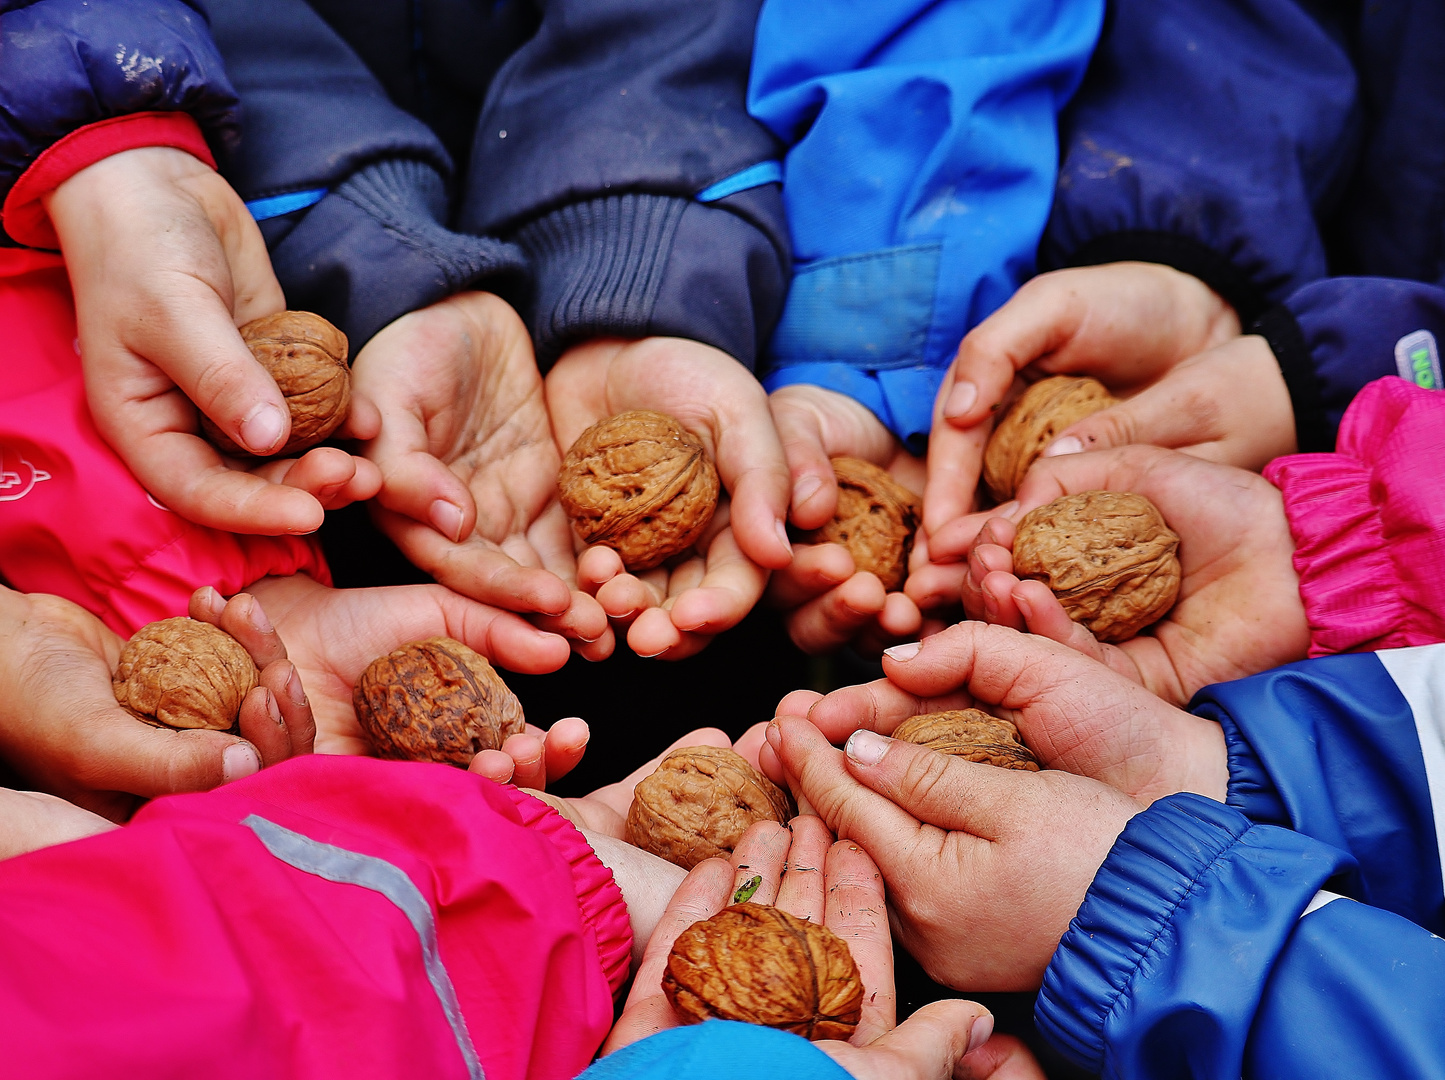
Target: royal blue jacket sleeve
718, 1050
1207, 947
922, 150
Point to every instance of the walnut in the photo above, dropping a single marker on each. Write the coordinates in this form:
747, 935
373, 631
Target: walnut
1108, 556
183, 673
698, 804
875, 520
1033, 421
641, 484
306, 356
435, 700
764, 966
971, 734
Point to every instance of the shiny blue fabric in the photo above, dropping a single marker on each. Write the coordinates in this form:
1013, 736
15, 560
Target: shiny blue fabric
718, 1050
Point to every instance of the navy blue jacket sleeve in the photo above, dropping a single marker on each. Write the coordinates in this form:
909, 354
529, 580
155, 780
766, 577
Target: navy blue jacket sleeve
68, 63
922, 154
600, 150
718, 1050
1210, 137
1207, 947
1349, 750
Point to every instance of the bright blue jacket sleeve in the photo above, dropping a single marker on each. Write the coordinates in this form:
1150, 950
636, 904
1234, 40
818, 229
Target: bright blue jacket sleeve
718, 1050
1206, 948
922, 153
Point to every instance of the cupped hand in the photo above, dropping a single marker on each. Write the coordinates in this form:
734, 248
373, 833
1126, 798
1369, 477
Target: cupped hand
1239, 610
984, 867
166, 262
469, 465
828, 604
1126, 324
30, 820
676, 609
62, 730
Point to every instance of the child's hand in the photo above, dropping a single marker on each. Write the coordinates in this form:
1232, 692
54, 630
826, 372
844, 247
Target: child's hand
166, 262
828, 604
470, 466
675, 611
30, 820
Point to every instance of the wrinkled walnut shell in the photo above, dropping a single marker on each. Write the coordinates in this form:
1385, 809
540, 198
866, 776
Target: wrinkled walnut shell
183, 673
971, 734
698, 804
876, 520
435, 700
1035, 419
306, 356
641, 484
1107, 556
761, 965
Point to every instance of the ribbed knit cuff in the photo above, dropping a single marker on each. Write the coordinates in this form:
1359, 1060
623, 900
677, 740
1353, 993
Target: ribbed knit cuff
1313, 432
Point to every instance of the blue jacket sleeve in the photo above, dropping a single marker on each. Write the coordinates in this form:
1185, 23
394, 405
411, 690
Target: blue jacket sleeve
1349, 750
1207, 948
1210, 138
615, 148
718, 1050
68, 63
922, 153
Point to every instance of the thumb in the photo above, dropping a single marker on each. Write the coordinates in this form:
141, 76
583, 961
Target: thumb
929, 1045
1171, 413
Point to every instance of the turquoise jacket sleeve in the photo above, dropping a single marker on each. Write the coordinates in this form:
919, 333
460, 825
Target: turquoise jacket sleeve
718, 1050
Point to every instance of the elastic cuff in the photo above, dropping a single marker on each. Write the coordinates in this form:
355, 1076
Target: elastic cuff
1313, 431
598, 897
1251, 790
24, 215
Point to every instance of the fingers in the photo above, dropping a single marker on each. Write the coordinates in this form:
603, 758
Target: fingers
751, 464
839, 615
506, 639
955, 461
243, 618
856, 912
565, 744
814, 492
879, 706
1002, 1057
802, 891
758, 863
262, 726
276, 716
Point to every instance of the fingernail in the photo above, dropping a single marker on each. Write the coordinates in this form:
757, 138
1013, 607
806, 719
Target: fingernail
446, 518
294, 690
979, 1033
257, 618
960, 399
1007, 510
782, 531
261, 431
212, 599
1069, 444
902, 653
774, 735
238, 760
805, 489
866, 747
273, 710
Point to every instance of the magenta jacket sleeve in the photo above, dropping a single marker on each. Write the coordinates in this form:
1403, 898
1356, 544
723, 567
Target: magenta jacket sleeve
332, 918
73, 521
1369, 523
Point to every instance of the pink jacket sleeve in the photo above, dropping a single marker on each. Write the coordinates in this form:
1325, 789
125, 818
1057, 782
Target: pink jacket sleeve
1369, 523
331, 918
73, 521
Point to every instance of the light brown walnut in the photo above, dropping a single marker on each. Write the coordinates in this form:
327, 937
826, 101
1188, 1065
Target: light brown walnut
876, 520
306, 356
435, 700
698, 804
1038, 416
183, 673
1108, 556
762, 965
639, 483
971, 734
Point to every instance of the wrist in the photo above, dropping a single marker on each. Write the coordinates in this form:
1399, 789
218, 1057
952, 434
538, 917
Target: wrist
1196, 757
646, 882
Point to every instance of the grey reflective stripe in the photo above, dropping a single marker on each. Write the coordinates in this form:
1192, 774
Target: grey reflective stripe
352, 868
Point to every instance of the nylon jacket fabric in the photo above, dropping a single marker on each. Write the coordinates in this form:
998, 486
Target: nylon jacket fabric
922, 151
713, 1051
181, 945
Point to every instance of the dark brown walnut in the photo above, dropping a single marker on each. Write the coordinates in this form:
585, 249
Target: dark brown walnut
1108, 556
698, 804
183, 673
435, 700
876, 520
1035, 419
641, 484
761, 965
971, 734
306, 356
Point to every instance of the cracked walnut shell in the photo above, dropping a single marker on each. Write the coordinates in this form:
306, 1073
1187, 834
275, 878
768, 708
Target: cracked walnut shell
306, 356
435, 700
761, 965
876, 520
641, 484
183, 673
971, 734
1108, 556
698, 803
1034, 420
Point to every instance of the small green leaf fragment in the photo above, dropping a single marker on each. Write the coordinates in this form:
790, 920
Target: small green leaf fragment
746, 889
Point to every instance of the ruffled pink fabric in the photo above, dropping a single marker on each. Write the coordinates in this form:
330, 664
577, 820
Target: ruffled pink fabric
1369, 523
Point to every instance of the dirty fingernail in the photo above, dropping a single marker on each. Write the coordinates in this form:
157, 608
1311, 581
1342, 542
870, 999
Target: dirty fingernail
273, 710
979, 1033
1069, 444
866, 747
773, 734
294, 690
960, 399
903, 652
257, 617
212, 600
446, 518
262, 430
238, 760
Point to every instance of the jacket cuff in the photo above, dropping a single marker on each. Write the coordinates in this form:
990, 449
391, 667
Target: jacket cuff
1251, 790
1314, 434
24, 216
